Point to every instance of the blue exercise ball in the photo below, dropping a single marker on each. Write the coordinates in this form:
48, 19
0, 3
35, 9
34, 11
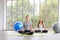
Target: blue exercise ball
18, 26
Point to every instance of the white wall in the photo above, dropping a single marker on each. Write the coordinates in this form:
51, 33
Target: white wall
59, 13
4, 14
1, 14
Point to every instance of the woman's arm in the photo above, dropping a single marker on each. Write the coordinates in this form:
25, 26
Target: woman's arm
44, 26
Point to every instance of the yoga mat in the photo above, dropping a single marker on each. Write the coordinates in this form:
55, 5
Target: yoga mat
13, 33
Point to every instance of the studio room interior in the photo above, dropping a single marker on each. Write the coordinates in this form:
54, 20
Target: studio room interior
29, 19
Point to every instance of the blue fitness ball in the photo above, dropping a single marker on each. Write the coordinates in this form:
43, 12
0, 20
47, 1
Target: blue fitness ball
18, 26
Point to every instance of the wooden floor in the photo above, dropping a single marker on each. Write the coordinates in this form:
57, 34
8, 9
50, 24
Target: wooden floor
10, 35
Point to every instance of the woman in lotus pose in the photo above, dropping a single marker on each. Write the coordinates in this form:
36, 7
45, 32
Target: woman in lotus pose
41, 27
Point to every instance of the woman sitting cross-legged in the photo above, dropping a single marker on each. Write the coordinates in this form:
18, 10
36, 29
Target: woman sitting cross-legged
41, 27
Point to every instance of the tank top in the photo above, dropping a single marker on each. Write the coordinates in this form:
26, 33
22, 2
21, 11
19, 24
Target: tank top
41, 27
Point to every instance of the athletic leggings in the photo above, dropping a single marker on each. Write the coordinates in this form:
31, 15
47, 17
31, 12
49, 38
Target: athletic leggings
28, 32
43, 31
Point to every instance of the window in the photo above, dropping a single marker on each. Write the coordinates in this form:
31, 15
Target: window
45, 9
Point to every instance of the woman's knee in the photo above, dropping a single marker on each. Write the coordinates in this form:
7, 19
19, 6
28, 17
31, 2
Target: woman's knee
45, 31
